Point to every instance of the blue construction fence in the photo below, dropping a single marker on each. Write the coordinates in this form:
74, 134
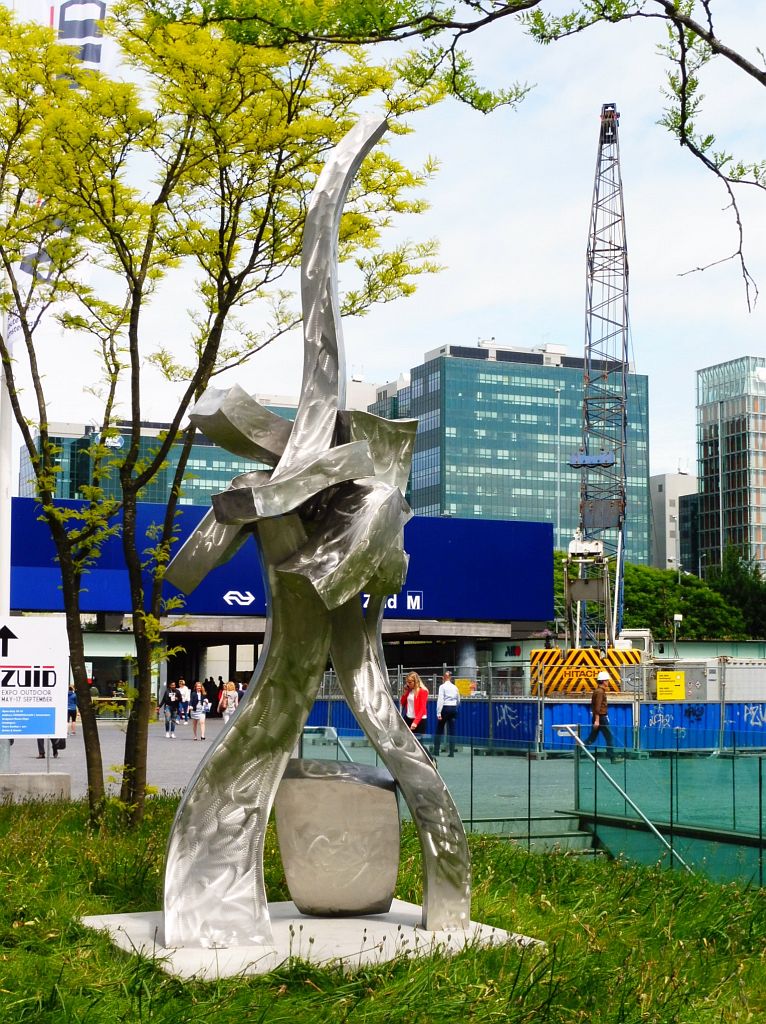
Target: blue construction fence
529, 723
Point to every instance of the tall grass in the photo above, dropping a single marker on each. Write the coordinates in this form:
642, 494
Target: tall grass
624, 943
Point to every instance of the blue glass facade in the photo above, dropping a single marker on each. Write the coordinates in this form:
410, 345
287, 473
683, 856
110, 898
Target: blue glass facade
209, 468
496, 430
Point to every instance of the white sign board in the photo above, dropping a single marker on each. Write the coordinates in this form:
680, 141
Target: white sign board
34, 677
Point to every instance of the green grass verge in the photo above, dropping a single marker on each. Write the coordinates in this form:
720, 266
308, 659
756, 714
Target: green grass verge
625, 943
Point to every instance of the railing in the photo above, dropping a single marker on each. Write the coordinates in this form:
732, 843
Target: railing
708, 807
727, 727
572, 730
329, 735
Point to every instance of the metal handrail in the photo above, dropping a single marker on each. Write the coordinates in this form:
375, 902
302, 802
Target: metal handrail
571, 730
329, 733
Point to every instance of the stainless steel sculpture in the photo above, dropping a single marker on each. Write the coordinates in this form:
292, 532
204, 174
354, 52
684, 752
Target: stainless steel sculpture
329, 523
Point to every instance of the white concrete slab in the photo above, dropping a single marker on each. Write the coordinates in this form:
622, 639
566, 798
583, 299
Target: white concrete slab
18, 787
352, 942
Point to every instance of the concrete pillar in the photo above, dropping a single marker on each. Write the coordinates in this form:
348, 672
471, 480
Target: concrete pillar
466, 667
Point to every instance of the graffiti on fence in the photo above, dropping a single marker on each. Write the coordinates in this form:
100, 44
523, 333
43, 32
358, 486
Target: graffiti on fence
660, 719
507, 714
755, 715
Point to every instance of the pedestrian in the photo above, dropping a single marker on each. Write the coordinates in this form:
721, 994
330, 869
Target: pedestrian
171, 702
71, 709
54, 747
211, 691
600, 717
447, 702
200, 706
414, 701
228, 702
184, 693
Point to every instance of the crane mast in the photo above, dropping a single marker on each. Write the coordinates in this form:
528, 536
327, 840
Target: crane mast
594, 568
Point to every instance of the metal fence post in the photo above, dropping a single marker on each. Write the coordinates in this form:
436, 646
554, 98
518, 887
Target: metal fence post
671, 799
734, 785
470, 796
540, 715
529, 803
577, 773
490, 716
760, 820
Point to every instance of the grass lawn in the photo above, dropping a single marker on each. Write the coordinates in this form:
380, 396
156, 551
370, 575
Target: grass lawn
625, 943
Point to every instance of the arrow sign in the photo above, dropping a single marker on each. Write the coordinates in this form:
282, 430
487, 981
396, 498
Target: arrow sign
237, 597
5, 636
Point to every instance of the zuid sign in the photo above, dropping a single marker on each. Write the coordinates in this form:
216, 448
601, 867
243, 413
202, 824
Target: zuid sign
34, 677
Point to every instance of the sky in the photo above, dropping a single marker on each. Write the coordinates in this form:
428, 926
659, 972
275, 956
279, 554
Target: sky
510, 208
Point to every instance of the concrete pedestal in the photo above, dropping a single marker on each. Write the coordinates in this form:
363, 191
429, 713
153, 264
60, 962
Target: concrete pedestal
351, 942
18, 787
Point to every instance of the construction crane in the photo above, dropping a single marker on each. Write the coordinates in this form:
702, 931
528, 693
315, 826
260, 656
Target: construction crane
593, 575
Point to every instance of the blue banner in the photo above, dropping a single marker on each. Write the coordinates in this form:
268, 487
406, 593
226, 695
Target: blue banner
460, 569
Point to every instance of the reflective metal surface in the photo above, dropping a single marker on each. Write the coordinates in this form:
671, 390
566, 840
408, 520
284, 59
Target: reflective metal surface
329, 523
357, 654
238, 423
338, 829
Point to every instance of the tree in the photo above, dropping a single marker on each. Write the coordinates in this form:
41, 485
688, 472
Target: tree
654, 596
692, 46
740, 583
194, 182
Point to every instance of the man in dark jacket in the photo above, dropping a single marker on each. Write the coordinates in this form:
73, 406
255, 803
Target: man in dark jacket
171, 702
600, 716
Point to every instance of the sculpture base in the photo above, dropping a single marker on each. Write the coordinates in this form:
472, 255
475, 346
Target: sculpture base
329, 941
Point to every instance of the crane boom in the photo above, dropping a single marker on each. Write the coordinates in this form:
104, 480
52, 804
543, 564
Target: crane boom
596, 562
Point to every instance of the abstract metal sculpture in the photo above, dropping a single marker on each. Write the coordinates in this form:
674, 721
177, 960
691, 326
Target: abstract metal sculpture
329, 523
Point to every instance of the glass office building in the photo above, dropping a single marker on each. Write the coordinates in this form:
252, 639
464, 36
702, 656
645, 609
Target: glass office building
731, 457
209, 470
497, 427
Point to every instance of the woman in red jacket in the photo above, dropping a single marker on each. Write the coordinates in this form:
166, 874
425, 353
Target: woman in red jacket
414, 703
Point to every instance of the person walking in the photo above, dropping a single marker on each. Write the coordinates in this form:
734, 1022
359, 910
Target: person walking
200, 706
184, 693
447, 703
414, 702
71, 710
599, 710
229, 701
171, 702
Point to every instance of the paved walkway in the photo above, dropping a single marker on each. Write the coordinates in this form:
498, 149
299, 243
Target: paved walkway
483, 787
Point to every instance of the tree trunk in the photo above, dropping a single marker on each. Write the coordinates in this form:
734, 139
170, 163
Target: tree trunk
133, 788
70, 583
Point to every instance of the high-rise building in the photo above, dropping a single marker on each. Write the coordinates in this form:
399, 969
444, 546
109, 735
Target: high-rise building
668, 526
731, 456
209, 469
497, 428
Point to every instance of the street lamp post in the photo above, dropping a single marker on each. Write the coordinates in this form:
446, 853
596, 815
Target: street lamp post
558, 467
677, 620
